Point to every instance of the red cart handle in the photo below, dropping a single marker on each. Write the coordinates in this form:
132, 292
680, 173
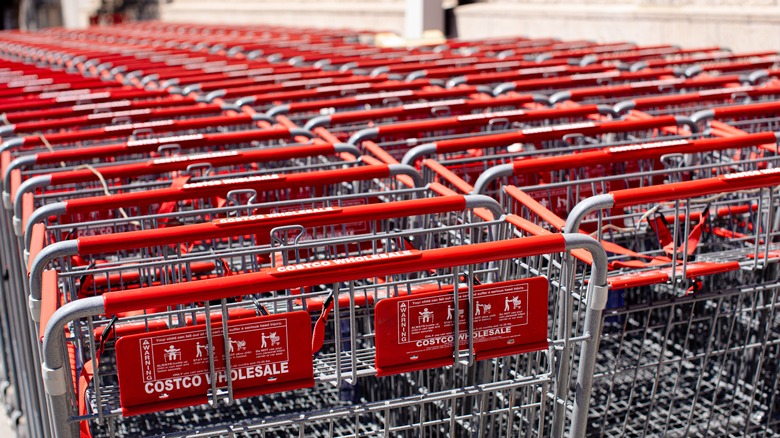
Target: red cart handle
519, 115
185, 141
257, 223
690, 189
182, 162
313, 273
220, 187
619, 154
543, 133
640, 151
128, 129
752, 110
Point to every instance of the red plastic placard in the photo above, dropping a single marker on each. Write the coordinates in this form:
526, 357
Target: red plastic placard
416, 332
170, 368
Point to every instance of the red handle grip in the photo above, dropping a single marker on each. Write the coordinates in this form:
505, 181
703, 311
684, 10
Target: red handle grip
89, 108
136, 115
187, 141
554, 73
640, 151
178, 163
125, 130
220, 187
553, 132
260, 223
689, 189
756, 109
483, 118
351, 269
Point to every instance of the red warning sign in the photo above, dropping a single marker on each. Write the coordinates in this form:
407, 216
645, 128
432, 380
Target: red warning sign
416, 332
170, 368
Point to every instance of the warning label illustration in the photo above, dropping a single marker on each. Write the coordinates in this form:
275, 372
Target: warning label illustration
175, 364
418, 331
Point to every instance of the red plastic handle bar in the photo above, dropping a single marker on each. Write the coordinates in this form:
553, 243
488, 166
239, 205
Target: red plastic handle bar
708, 95
689, 189
332, 271
259, 223
322, 92
709, 57
220, 187
757, 109
638, 87
128, 129
136, 115
461, 105
187, 141
554, 132
90, 108
639, 151
484, 118
379, 98
178, 163
88, 96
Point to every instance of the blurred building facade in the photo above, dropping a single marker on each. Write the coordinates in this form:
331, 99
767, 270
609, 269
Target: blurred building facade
737, 24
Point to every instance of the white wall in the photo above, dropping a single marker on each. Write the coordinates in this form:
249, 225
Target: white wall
738, 24
742, 25
76, 13
379, 15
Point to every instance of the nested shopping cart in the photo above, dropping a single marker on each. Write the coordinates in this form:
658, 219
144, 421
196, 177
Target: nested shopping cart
463, 163
426, 387
202, 197
638, 89
50, 100
690, 103
93, 109
97, 120
301, 112
723, 61
439, 116
551, 85
562, 180
75, 159
391, 142
691, 334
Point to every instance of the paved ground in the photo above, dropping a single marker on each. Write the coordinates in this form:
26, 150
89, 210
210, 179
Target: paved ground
5, 426
5, 423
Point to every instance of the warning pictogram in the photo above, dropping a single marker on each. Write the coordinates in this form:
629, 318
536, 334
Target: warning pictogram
417, 332
173, 366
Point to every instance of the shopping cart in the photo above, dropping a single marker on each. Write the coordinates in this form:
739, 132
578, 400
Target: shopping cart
483, 403
80, 159
630, 164
725, 61
169, 170
462, 162
691, 338
637, 89
301, 112
438, 115
392, 142
202, 197
234, 221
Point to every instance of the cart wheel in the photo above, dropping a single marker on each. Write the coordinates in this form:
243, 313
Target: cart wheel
9, 398
22, 431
